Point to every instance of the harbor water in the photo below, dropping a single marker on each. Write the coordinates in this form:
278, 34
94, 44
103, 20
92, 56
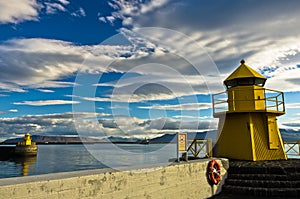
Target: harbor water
63, 158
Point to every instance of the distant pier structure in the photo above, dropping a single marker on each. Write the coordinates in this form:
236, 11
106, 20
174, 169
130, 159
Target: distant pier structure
26, 147
247, 114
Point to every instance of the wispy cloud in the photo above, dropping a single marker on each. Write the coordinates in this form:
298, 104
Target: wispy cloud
187, 107
46, 102
46, 90
85, 124
64, 2
41, 63
79, 13
15, 11
52, 8
275, 55
292, 105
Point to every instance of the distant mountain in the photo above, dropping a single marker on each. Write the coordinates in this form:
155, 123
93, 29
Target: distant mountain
166, 138
289, 134
193, 135
41, 139
120, 139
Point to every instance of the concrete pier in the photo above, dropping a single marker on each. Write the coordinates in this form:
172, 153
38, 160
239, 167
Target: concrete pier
177, 180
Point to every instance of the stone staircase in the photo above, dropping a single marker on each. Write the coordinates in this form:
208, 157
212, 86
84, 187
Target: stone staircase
267, 179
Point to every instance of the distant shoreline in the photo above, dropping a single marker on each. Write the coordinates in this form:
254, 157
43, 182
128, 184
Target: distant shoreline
67, 143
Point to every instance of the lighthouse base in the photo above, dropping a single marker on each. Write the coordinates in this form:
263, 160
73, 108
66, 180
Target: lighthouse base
249, 136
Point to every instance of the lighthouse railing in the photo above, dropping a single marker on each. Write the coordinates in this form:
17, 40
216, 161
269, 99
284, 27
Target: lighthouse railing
220, 102
273, 101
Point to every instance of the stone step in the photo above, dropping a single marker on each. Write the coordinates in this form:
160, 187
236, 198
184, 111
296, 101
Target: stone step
280, 167
245, 176
263, 183
264, 170
262, 192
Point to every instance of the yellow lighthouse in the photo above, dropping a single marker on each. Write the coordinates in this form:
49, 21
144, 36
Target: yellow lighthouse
247, 113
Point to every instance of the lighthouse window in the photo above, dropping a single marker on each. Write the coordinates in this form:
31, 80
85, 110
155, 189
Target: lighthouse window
260, 82
245, 81
231, 83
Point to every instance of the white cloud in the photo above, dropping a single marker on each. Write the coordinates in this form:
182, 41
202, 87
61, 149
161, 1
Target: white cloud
185, 117
45, 90
158, 48
65, 2
126, 10
230, 34
7, 86
187, 107
79, 13
103, 19
292, 105
46, 102
85, 124
40, 63
15, 11
13, 110
52, 8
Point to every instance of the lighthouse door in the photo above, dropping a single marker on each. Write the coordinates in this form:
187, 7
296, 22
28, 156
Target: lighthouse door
273, 132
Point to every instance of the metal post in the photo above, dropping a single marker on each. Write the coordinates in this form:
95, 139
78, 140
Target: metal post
213, 101
283, 101
209, 147
178, 159
195, 144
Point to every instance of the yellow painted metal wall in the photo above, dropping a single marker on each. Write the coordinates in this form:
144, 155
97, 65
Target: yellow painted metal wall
246, 98
262, 138
245, 136
259, 96
235, 139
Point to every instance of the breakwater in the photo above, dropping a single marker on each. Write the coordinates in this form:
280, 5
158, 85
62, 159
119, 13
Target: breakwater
177, 180
6, 152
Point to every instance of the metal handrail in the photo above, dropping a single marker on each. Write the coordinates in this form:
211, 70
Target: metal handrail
292, 147
200, 145
272, 103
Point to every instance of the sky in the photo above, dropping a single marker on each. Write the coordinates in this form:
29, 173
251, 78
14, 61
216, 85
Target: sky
138, 68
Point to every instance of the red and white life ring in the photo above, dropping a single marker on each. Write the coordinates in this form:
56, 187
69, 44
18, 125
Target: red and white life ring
214, 172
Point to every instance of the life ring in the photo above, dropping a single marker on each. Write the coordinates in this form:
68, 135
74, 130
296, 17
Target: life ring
214, 172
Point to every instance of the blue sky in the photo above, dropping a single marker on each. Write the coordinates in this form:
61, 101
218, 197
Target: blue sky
137, 68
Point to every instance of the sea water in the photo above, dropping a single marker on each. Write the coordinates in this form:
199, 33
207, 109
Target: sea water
63, 158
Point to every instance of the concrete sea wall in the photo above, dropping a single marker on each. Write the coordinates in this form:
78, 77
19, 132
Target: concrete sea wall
177, 180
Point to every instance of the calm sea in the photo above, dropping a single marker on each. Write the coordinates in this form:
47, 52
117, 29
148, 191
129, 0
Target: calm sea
62, 158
